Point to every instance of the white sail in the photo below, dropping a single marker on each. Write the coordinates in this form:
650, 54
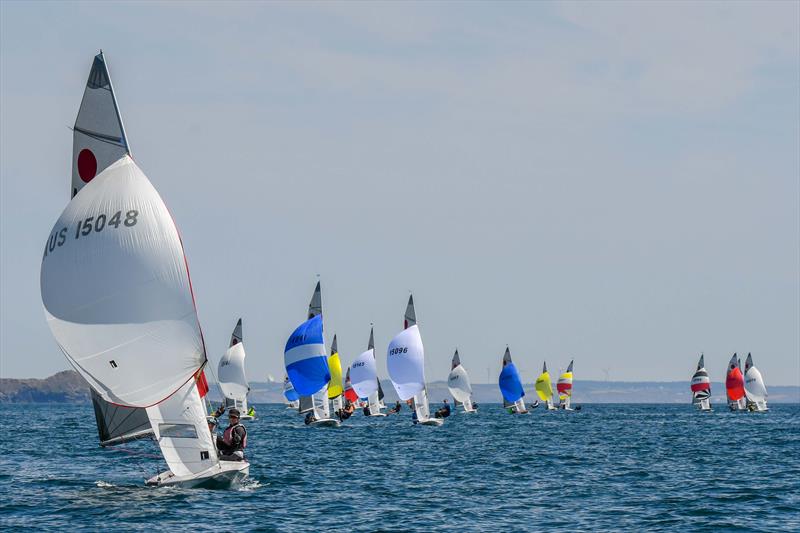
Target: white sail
98, 138
421, 406
364, 375
755, 390
232, 379
116, 290
460, 387
181, 429
406, 363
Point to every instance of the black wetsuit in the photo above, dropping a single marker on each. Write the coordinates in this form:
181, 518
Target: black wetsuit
234, 440
444, 412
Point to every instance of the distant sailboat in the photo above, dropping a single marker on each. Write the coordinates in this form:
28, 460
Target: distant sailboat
118, 300
307, 365
350, 393
364, 375
701, 387
371, 346
734, 385
406, 364
511, 386
754, 388
544, 388
232, 379
292, 398
459, 385
564, 387
335, 386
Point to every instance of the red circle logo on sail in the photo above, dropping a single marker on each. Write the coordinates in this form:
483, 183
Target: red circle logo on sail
87, 165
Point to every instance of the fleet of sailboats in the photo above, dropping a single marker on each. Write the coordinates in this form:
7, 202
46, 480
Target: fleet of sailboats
118, 299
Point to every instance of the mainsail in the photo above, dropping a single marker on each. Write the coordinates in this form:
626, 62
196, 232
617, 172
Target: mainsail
544, 387
701, 387
232, 379
754, 388
564, 387
511, 385
117, 424
734, 385
459, 385
98, 138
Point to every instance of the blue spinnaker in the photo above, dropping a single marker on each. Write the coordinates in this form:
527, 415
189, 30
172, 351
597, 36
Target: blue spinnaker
510, 384
306, 359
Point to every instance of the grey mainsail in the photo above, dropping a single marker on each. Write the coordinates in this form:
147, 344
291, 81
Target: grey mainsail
117, 424
315, 305
411, 315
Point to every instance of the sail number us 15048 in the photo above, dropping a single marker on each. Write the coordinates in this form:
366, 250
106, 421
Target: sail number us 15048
89, 225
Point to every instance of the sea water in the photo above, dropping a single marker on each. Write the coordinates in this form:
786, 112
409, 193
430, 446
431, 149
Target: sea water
604, 468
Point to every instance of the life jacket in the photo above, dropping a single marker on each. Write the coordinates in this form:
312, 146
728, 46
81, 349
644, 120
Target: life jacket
227, 436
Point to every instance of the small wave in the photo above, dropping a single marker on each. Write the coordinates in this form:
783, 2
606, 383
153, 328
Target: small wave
249, 485
103, 484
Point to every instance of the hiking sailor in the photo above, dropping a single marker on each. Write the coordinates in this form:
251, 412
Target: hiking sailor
234, 440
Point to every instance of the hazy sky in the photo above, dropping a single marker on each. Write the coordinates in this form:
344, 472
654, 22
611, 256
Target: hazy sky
613, 182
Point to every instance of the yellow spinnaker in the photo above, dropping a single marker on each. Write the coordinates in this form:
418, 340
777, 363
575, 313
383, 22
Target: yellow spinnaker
544, 388
335, 385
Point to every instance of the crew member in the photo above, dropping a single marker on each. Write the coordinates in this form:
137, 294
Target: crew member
444, 411
234, 440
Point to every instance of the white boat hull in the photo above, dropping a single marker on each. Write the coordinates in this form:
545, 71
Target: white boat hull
377, 414
223, 475
247, 417
325, 422
431, 422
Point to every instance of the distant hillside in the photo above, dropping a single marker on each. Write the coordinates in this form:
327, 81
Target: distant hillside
65, 387
69, 387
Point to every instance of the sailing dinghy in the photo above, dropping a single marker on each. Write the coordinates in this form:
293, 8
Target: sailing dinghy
459, 385
406, 364
701, 387
335, 388
544, 388
307, 365
364, 380
232, 379
292, 398
734, 385
118, 300
564, 387
754, 389
511, 386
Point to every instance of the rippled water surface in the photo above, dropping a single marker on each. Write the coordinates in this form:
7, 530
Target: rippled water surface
607, 467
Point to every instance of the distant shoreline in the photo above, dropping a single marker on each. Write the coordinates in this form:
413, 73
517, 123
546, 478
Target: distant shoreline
69, 387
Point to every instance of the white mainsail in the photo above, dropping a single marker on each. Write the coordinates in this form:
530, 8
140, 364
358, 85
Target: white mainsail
98, 138
231, 374
459, 385
754, 388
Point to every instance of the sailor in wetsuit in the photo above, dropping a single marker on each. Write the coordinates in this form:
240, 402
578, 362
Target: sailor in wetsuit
444, 411
234, 440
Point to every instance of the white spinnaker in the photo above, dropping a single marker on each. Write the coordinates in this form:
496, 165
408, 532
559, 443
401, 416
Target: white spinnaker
181, 429
98, 138
117, 296
754, 386
364, 375
459, 385
232, 379
406, 363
